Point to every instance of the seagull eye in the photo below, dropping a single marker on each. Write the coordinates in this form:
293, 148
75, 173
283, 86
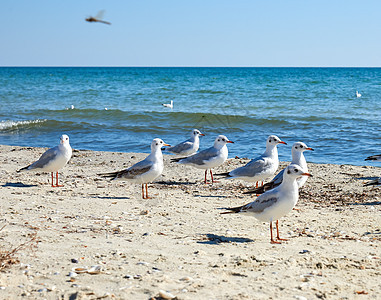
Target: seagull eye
288, 172
296, 170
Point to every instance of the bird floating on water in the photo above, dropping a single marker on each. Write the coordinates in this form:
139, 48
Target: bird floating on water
358, 95
169, 105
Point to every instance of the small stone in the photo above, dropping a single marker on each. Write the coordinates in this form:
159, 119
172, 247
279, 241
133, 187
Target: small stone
74, 261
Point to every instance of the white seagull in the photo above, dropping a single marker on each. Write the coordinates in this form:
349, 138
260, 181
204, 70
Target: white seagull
260, 168
169, 105
53, 159
298, 159
144, 171
276, 203
358, 95
188, 147
208, 158
374, 157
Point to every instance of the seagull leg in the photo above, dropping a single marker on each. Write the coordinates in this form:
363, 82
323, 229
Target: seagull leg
147, 192
277, 233
211, 174
57, 185
206, 172
256, 185
143, 191
52, 179
271, 234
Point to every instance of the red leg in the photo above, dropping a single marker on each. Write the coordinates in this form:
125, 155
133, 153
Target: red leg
277, 233
143, 191
206, 172
57, 185
147, 192
271, 234
256, 185
211, 175
52, 179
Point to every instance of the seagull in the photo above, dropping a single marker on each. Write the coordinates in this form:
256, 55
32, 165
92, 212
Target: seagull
374, 157
144, 171
374, 182
170, 105
53, 159
276, 203
298, 159
189, 146
98, 18
260, 168
358, 95
208, 158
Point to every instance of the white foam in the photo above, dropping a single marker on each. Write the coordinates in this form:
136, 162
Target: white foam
10, 124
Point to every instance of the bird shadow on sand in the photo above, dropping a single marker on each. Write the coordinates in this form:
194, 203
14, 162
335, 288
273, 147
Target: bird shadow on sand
366, 178
213, 239
110, 198
18, 184
366, 203
174, 182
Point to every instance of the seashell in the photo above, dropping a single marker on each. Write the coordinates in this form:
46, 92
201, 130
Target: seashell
94, 270
80, 270
166, 295
72, 274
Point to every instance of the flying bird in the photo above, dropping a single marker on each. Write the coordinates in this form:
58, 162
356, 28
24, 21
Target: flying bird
53, 159
275, 203
98, 18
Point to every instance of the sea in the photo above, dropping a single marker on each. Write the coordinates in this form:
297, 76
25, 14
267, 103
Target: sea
120, 108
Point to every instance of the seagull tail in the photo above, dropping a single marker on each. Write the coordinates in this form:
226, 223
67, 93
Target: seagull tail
109, 175
232, 210
225, 174
370, 158
177, 159
23, 169
264, 188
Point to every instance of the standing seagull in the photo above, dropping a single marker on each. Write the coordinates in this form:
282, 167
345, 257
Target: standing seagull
374, 157
298, 159
188, 147
276, 203
144, 171
262, 167
208, 158
53, 159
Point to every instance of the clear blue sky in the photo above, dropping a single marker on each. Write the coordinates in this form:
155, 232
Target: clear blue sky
191, 33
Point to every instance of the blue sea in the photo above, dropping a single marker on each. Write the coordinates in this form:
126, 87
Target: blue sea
120, 109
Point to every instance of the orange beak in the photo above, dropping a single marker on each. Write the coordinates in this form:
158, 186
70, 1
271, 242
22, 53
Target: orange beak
202, 134
307, 174
281, 142
309, 149
167, 145
231, 142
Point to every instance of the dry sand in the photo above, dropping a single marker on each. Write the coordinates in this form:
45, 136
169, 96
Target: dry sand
177, 242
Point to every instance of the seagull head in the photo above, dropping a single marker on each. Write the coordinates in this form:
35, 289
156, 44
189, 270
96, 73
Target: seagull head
158, 143
196, 132
274, 140
221, 141
64, 139
295, 171
300, 147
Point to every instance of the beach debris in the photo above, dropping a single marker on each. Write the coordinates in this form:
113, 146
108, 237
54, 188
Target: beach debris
93, 270
166, 295
98, 18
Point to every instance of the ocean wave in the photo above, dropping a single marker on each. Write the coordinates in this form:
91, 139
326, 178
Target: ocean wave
10, 125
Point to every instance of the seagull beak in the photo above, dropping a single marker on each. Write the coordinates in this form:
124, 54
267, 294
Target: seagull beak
202, 134
281, 142
307, 174
309, 149
167, 145
231, 142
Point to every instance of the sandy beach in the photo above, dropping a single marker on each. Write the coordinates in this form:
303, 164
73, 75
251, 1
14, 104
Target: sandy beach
177, 244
